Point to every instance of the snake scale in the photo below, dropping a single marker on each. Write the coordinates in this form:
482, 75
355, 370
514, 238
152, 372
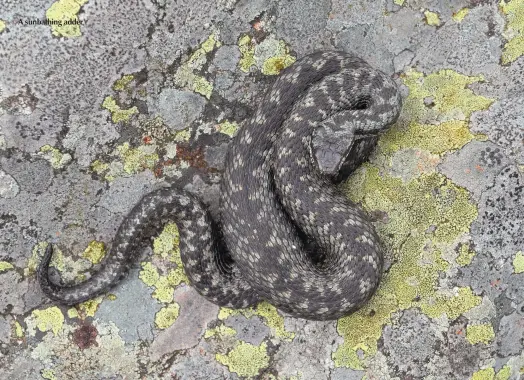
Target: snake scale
292, 238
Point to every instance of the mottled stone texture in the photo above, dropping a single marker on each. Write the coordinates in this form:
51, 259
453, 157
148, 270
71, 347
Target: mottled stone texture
149, 93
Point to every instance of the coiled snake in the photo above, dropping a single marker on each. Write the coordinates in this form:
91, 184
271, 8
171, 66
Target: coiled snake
292, 239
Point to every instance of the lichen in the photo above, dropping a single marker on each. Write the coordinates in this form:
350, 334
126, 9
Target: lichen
2, 26
484, 374
94, 252
118, 114
432, 18
441, 96
460, 15
137, 159
399, 2
267, 312
65, 11
228, 128
514, 32
48, 374
89, 307
481, 333
122, 83
437, 139
270, 56
518, 263
56, 158
466, 254
166, 316
149, 274
221, 330
5, 266
50, 319
504, 373
245, 359
19, 330
183, 135
57, 260
185, 75
426, 213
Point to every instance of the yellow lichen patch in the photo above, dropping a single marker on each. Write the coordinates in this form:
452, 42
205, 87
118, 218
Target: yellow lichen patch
19, 330
118, 114
166, 243
267, 312
481, 333
56, 158
518, 263
72, 313
185, 76
246, 45
270, 56
121, 84
149, 274
219, 331
273, 320
167, 316
399, 2
50, 319
279, 60
228, 128
504, 373
514, 32
484, 374
89, 308
452, 306
2, 26
5, 266
432, 18
425, 216
65, 13
245, 359
437, 139
94, 252
57, 260
48, 374
460, 15
466, 254
137, 159
183, 135
442, 96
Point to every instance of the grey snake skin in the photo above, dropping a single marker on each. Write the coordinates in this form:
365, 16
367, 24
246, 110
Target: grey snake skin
292, 238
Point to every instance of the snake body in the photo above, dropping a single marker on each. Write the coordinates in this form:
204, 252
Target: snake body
292, 239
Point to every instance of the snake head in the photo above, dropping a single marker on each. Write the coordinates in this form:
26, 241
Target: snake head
337, 151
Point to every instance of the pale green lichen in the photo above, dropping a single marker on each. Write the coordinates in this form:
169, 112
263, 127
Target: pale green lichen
166, 316
57, 260
426, 213
65, 11
437, 139
5, 266
270, 56
2, 26
504, 373
220, 331
466, 254
122, 83
89, 307
56, 158
48, 374
72, 312
183, 135
94, 252
118, 114
442, 96
245, 359
484, 374
518, 263
228, 128
514, 32
399, 2
19, 330
50, 319
460, 15
267, 312
185, 76
432, 18
165, 246
137, 159
481, 333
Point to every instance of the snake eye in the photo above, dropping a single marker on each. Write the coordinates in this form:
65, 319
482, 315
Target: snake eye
361, 103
